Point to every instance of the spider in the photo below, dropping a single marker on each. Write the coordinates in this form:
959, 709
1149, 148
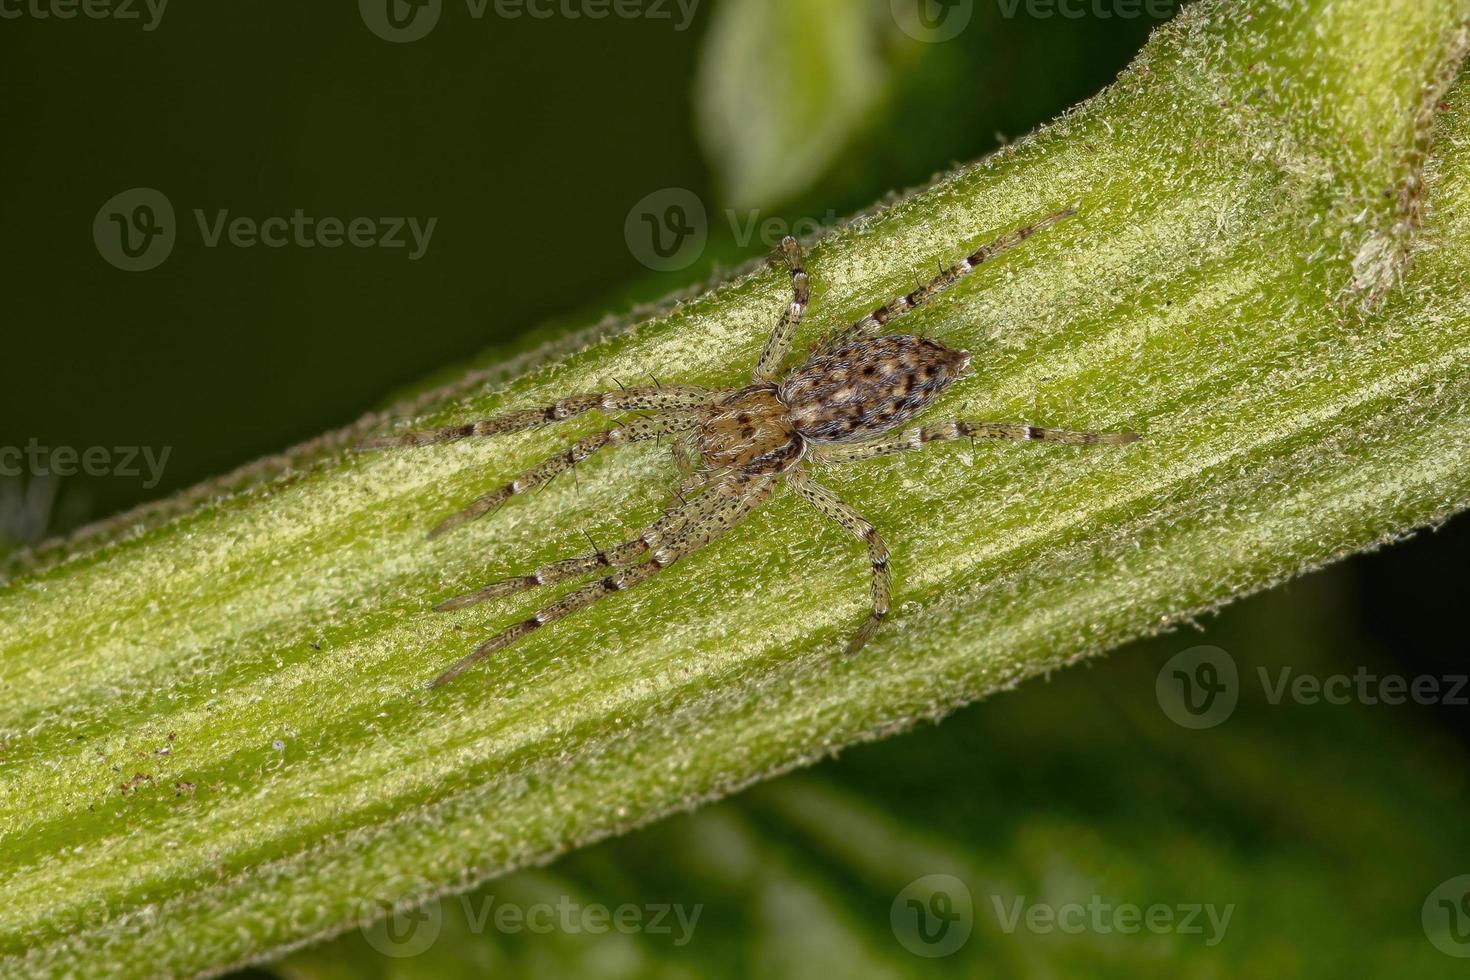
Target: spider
735, 447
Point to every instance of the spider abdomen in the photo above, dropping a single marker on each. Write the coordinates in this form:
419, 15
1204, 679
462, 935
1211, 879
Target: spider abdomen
869, 386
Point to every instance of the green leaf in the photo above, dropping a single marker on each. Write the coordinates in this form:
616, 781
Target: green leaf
214, 740
783, 86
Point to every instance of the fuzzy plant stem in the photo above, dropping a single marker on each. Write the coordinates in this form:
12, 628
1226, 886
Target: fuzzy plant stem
215, 740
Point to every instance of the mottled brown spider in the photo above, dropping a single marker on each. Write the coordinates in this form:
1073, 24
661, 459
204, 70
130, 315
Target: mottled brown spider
735, 446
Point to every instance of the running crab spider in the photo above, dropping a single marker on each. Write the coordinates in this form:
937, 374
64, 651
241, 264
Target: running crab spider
842, 404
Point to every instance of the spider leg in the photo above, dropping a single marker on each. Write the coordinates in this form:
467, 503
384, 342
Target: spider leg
739, 495
875, 321
692, 479
691, 487
637, 429
686, 458
779, 342
634, 549
668, 398
920, 436
828, 503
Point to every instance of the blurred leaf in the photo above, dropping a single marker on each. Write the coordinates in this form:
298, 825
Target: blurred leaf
782, 87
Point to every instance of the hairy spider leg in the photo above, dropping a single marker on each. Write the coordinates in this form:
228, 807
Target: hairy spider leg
875, 321
635, 430
739, 494
768, 365
693, 478
836, 509
625, 553
666, 398
920, 436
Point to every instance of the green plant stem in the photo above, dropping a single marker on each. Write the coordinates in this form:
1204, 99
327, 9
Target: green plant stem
216, 743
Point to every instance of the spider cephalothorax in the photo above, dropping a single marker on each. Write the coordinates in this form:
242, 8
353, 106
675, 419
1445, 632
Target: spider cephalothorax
734, 447
747, 428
